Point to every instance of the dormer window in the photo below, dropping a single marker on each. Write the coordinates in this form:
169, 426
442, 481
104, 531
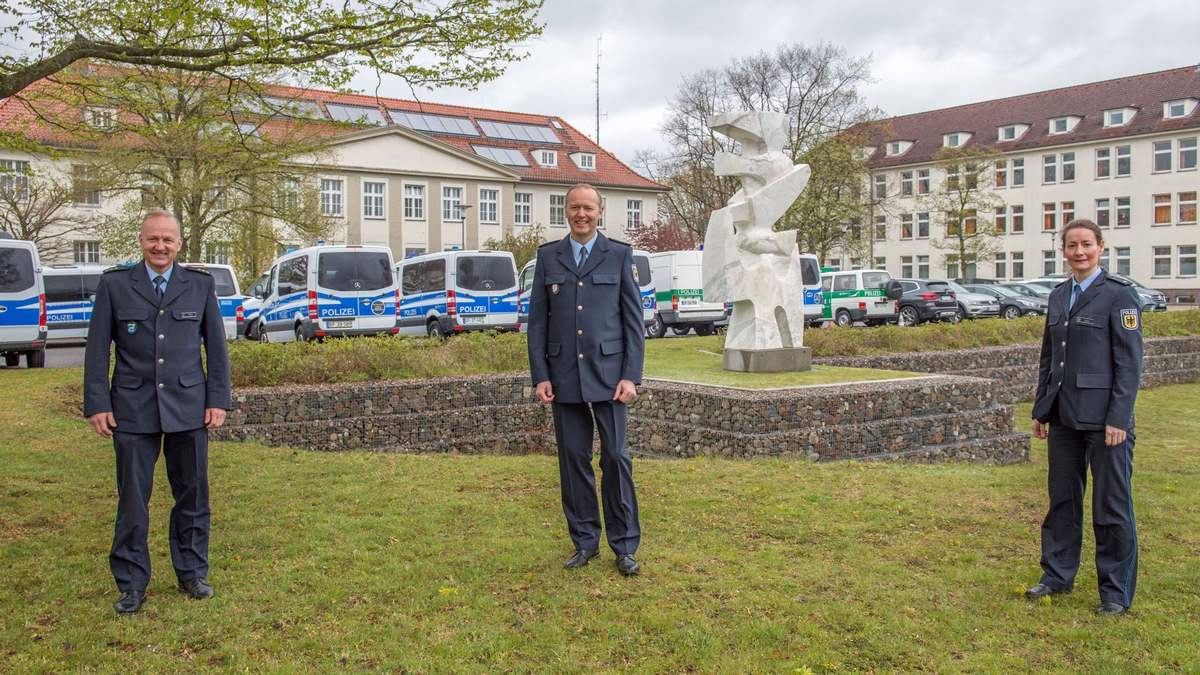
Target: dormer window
546, 158
1011, 132
896, 148
1062, 125
956, 139
100, 118
1119, 117
586, 161
1183, 107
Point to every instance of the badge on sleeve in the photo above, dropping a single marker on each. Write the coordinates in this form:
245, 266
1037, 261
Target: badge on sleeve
1129, 319
635, 276
132, 327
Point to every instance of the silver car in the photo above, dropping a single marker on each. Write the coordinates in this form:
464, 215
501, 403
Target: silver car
974, 305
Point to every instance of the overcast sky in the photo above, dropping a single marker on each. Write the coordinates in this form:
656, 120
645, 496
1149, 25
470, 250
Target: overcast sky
925, 55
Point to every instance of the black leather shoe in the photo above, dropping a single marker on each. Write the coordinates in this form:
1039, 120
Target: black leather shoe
627, 565
1041, 591
197, 588
130, 602
581, 559
1110, 609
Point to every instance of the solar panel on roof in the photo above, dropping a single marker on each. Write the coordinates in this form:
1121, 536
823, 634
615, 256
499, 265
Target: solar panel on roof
438, 124
354, 114
519, 132
507, 156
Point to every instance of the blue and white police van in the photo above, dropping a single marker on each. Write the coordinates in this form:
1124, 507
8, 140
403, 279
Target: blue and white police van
641, 269
70, 293
22, 304
252, 305
330, 291
229, 296
455, 291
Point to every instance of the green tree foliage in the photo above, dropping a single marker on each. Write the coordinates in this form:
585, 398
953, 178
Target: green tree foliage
966, 201
523, 243
425, 42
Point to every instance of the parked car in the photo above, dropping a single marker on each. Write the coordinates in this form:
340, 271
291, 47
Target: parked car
252, 307
1012, 303
1152, 300
1029, 290
974, 305
859, 295
925, 300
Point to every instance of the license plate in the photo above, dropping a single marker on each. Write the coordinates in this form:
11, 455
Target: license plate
474, 320
946, 298
344, 323
689, 302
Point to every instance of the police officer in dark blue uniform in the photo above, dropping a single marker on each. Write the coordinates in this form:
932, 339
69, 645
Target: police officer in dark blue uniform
586, 344
160, 316
1091, 363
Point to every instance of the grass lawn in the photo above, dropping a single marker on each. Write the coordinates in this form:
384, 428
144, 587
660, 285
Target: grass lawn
368, 562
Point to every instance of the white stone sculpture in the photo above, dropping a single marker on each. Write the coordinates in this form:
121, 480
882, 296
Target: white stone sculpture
745, 261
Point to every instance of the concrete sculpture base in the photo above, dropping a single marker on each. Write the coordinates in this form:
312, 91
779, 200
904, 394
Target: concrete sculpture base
782, 360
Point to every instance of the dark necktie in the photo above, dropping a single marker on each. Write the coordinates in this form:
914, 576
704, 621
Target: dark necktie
1074, 296
582, 257
159, 281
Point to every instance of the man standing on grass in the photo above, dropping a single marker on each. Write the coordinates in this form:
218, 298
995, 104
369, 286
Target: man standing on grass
160, 316
586, 342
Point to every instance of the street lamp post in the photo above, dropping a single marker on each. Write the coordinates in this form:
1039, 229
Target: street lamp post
462, 221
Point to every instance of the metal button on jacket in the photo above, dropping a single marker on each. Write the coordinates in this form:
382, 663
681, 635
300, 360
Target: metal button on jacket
161, 336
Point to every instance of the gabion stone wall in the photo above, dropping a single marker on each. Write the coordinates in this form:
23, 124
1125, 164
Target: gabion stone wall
964, 413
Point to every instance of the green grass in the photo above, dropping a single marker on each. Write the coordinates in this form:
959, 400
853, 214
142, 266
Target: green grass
365, 562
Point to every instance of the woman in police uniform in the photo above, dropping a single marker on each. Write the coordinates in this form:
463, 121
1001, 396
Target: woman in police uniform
1091, 362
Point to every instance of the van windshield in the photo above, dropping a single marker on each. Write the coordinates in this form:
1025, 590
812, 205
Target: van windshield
485, 273
353, 271
16, 270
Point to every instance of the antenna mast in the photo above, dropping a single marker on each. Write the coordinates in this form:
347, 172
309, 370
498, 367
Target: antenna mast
598, 88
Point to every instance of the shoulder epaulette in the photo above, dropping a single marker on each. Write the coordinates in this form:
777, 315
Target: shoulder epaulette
119, 267
549, 242
618, 241
1120, 280
201, 270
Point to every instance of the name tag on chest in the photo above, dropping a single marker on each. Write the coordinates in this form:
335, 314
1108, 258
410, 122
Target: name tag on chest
189, 315
1085, 321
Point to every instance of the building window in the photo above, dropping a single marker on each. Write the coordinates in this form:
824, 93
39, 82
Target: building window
331, 197
1123, 263
923, 225
1001, 219
1162, 261
1176, 109
880, 262
87, 251
83, 179
906, 266
633, 214
1002, 173
287, 194
1068, 167
103, 119
1187, 154
1103, 260
923, 266
1124, 160
1123, 211
585, 161
1049, 169
1049, 217
1018, 172
952, 178
603, 208
1103, 212
523, 208
923, 181
548, 158
1118, 118
1008, 133
14, 178
1187, 260
1162, 209
414, 202
906, 183
216, 253
452, 204
489, 206
1103, 163
1162, 156
1061, 125
880, 191
1018, 218
1049, 258
558, 210
1068, 212
1001, 266
1187, 208
1018, 265
880, 228
906, 222
373, 199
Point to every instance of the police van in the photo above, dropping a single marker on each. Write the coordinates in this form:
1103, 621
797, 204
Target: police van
70, 292
455, 291
814, 294
330, 291
860, 295
641, 268
679, 292
229, 296
252, 305
22, 304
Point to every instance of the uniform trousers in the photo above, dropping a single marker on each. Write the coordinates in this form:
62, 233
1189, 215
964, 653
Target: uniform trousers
573, 427
1071, 452
186, 456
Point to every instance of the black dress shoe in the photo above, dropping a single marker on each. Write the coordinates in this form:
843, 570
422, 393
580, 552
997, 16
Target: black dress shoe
580, 559
627, 565
197, 588
1110, 609
130, 602
1041, 591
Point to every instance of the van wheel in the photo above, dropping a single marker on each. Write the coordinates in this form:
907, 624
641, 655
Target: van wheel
262, 334
299, 332
253, 331
705, 329
656, 329
36, 359
12, 360
909, 316
434, 330
842, 318
681, 330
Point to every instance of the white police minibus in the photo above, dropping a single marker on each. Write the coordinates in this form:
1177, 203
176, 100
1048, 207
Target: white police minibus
229, 296
70, 292
330, 291
22, 304
454, 291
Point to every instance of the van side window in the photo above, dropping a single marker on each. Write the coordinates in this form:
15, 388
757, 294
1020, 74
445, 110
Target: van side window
810, 272
826, 284
293, 275
64, 288
424, 277
843, 282
875, 279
